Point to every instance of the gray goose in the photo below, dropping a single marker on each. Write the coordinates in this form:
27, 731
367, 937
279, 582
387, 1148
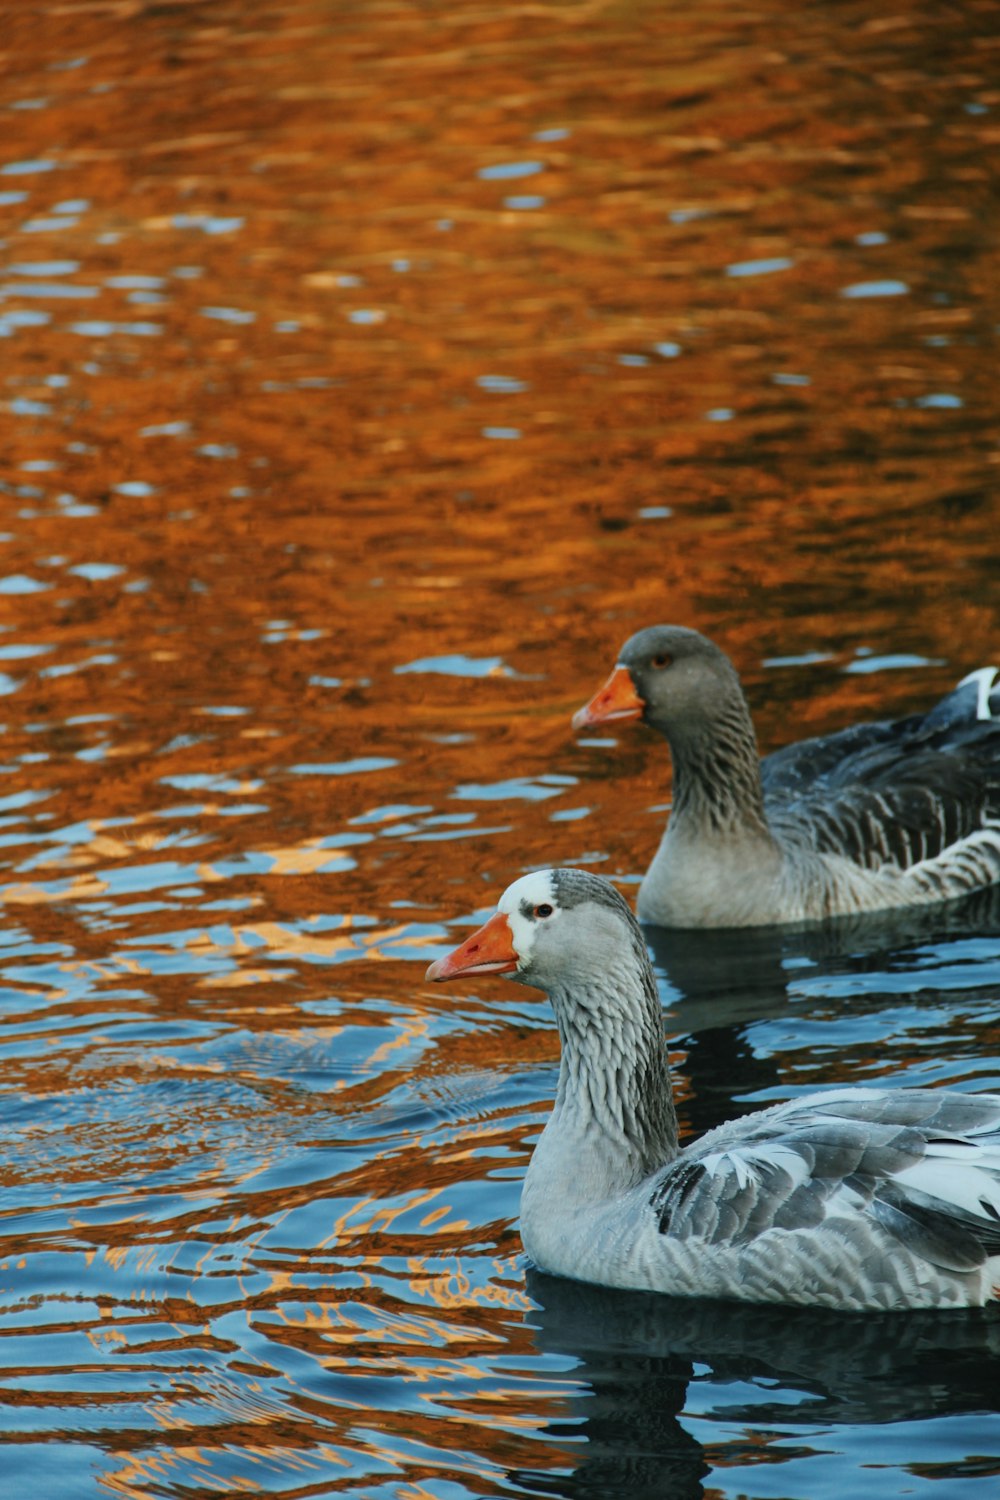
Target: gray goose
890, 814
851, 1198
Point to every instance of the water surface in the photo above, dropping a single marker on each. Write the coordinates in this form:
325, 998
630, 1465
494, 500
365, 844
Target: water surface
370, 373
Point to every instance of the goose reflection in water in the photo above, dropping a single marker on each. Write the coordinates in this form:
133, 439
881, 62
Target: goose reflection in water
718, 985
640, 1359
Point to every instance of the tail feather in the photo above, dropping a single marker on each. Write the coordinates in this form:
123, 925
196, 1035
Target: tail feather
986, 679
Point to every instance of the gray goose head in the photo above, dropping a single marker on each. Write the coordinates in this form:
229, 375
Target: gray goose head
555, 930
571, 934
676, 680
681, 684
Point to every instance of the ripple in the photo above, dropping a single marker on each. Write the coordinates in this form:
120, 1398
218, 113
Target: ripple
229, 314
96, 572
765, 267
134, 487
940, 401
20, 583
53, 290
207, 224
506, 171
44, 268
358, 766
869, 661
501, 384
887, 288
516, 788
100, 329
458, 665
25, 168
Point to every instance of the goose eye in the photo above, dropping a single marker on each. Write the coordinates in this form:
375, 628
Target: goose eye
544, 910
662, 659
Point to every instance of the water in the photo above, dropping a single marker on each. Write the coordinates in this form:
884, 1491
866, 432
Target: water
369, 375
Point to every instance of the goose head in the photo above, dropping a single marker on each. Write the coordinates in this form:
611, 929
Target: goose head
670, 677
554, 930
571, 934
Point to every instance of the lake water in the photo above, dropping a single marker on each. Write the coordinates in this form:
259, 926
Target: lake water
370, 371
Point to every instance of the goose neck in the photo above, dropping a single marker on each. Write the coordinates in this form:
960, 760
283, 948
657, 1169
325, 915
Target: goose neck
716, 772
614, 1094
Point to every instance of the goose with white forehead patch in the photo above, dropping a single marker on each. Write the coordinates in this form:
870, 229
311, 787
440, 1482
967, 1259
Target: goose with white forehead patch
881, 815
852, 1198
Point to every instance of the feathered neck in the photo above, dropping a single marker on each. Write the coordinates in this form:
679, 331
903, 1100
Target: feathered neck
614, 1095
717, 786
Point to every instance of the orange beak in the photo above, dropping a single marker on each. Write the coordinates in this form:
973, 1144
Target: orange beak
488, 951
617, 699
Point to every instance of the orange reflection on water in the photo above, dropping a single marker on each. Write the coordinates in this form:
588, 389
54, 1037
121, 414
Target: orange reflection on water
370, 374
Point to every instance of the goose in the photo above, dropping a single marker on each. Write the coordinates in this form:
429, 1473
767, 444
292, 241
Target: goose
882, 815
851, 1198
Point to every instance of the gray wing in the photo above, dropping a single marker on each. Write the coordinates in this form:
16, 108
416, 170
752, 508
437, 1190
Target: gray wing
922, 1165
916, 811
891, 793
965, 723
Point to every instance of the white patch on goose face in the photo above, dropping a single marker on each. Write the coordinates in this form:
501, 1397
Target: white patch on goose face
536, 889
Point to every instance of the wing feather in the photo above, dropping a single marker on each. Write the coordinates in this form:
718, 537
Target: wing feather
891, 793
920, 1167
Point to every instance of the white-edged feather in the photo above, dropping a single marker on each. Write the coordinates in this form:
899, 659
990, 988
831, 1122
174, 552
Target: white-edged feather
984, 678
